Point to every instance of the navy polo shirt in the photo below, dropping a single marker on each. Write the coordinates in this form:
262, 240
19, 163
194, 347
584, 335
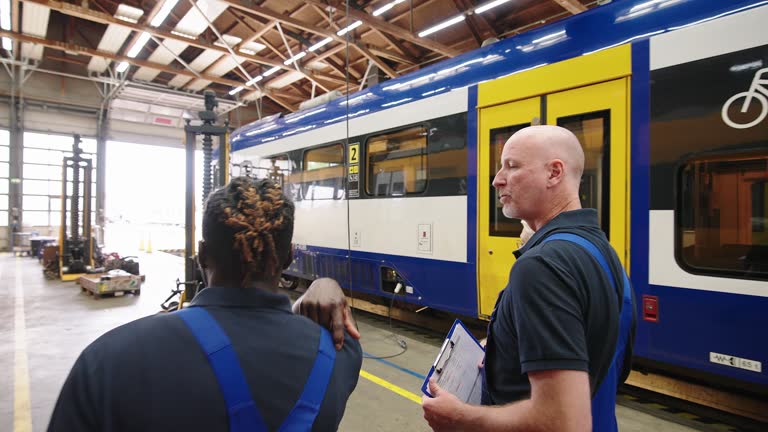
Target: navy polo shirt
152, 375
559, 311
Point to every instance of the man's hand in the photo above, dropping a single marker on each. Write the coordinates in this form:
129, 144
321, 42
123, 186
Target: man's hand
444, 411
325, 303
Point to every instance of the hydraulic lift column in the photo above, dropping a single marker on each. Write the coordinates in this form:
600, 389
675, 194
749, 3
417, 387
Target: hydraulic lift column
208, 130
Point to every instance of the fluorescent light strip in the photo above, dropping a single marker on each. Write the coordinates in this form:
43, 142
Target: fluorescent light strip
140, 42
349, 28
236, 90
271, 71
489, 6
122, 67
320, 44
295, 58
386, 7
383, 9
442, 25
254, 80
163, 13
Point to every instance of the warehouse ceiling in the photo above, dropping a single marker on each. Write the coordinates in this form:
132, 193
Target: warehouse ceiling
272, 53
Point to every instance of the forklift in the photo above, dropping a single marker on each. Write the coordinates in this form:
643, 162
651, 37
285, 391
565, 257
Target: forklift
214, 176
75, 236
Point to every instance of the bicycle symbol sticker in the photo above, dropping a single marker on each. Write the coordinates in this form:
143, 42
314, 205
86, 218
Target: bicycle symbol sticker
759, 85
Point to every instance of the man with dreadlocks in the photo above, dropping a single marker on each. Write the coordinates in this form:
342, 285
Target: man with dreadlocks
237, 359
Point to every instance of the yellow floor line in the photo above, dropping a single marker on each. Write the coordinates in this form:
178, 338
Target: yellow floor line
389, 386
22, 415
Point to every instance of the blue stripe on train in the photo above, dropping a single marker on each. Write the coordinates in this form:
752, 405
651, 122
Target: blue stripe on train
692, 323
444, 285
640, 185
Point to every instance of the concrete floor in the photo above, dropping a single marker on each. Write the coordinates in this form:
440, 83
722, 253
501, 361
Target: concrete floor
45, 325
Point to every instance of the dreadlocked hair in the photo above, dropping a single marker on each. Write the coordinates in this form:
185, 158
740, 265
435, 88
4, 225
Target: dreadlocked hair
247, 226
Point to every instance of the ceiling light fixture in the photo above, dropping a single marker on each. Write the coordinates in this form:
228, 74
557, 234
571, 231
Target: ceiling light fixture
386, 7
295, 58
349, 28
489, 6
442, 25
320, 44
254, 80
271, 71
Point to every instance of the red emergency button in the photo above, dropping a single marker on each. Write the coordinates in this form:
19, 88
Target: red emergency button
651, 308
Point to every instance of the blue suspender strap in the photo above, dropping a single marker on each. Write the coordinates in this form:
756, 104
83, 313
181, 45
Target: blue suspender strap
604, 400
303, 414
243, 414
591, 248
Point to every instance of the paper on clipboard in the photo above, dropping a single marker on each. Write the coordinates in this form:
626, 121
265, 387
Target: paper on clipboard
456, 366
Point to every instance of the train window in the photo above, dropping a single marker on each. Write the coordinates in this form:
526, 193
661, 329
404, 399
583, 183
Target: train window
447, 148
397, 163
593, 132
323, 175
279, 169
500, 225
722, 215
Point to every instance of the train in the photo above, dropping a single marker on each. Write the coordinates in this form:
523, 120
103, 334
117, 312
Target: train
669, 100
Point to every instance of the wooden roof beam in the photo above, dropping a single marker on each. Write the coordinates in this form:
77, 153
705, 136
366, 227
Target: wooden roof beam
392, 29
382, 25
406, 56
145, 20
572, 6
67, 47
91, 15
470, 21
366, 52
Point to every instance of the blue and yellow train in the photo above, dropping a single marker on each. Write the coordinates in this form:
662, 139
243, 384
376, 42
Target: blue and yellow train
669, 99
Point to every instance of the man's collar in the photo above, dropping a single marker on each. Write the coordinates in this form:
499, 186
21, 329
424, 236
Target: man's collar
573, 218
242, 297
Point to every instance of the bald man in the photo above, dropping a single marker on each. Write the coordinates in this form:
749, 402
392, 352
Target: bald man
559, 340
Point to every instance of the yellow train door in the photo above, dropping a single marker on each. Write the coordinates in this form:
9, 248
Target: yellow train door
587, 95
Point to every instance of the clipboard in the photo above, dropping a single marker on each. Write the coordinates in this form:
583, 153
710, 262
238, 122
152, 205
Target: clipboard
456, 366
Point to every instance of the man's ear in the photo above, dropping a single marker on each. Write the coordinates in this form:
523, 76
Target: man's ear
556, 172
288, 261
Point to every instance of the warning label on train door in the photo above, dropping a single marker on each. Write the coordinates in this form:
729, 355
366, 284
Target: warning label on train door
353, 173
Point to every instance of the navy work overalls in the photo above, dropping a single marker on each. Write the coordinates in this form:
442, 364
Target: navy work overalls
243, 413
604, 400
